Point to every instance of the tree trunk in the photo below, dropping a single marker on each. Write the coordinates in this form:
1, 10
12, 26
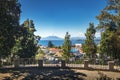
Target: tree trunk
0, 62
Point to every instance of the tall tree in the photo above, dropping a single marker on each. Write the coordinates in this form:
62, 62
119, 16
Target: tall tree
117, 44
89, 47
109, 23
50, 44
66, 46
107, 44
29, 41
9, 23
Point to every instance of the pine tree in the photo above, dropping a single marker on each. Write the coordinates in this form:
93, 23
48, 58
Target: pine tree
117, 44
50, 44
89, 47
107, 44
66, 46
29, 41
109, 23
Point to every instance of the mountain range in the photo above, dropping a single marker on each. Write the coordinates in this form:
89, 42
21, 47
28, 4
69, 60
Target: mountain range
51, 38
58, 38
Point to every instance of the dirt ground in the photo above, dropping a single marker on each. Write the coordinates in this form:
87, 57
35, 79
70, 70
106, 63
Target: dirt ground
92, 75
55, 74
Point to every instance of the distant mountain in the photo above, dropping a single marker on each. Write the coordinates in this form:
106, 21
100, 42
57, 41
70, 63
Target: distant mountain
51, 38
77, 38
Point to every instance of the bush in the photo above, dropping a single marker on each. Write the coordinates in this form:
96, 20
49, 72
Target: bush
103, 77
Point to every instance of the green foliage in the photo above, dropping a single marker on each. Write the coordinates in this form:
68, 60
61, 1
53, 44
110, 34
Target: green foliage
89, 47
29, 40
109, 23
9, 23
17, 47
107, 43
76, 62
50, 44
66, 47
117, 44
16, 39
40, 54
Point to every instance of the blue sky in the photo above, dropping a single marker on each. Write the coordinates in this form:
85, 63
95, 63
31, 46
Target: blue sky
56, 17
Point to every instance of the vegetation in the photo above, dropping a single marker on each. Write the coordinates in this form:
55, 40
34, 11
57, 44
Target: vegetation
117, 44
16, 39
109, 26
66, 47
89, 47
50, 44
28, 40
9, 24
40, 54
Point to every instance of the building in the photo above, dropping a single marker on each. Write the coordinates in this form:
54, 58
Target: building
57, 52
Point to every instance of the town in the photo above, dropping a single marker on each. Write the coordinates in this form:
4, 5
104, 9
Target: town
87, 45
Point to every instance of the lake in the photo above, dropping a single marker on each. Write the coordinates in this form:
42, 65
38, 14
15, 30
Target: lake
59, 42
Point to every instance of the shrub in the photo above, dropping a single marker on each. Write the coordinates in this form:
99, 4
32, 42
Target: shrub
103, 77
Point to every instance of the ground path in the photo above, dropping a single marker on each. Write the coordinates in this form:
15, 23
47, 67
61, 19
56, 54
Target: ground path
55, 74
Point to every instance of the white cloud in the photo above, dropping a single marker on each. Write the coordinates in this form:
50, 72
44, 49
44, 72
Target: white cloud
45, 31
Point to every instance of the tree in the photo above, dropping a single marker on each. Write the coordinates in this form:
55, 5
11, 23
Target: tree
109, 23
107, 44
40, 54
29, 41
89, 47
9, 23
16, 39
117, 44
17, 48
66, 47
50, 44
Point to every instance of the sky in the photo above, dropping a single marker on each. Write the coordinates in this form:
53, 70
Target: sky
56, 17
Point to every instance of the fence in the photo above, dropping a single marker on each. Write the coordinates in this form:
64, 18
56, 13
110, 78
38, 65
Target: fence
30, 62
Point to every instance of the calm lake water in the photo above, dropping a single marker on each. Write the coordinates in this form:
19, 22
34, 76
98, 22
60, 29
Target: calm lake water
59, 42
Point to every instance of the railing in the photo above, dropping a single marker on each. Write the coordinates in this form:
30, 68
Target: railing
21, 61
75, 64
101, 64
52, 63
7, 63
117, 65
29, 62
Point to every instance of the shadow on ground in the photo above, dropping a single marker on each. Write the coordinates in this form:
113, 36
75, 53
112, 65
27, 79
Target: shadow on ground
44, 74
